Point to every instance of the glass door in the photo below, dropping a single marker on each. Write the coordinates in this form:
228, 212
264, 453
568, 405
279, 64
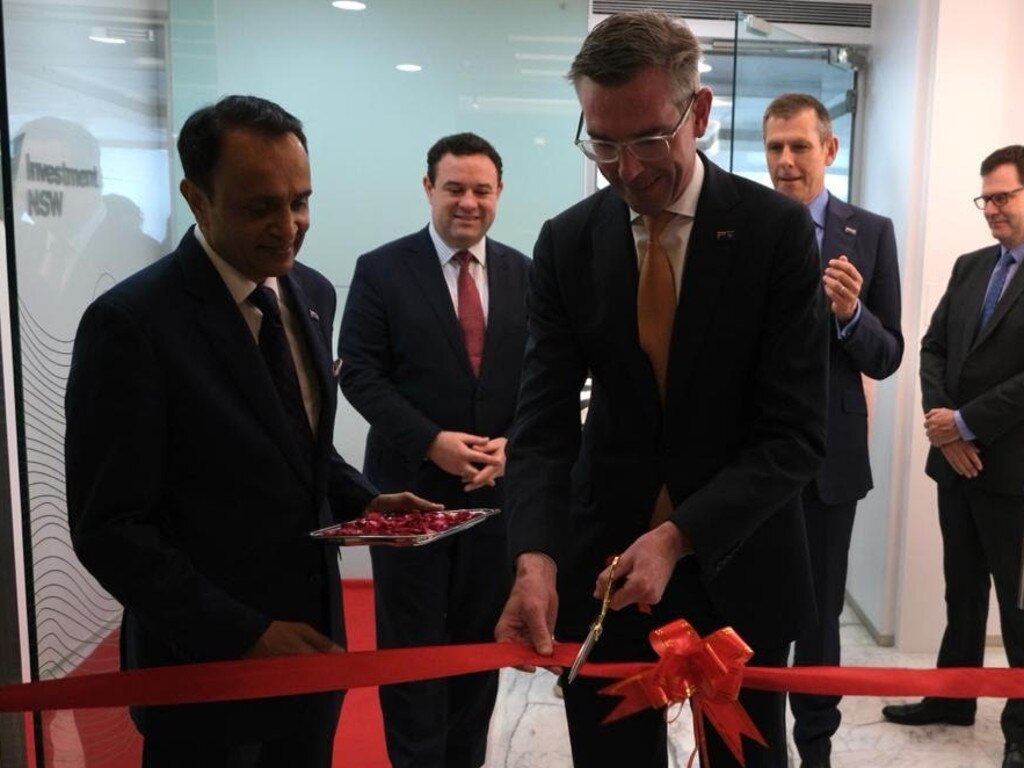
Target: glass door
768, 61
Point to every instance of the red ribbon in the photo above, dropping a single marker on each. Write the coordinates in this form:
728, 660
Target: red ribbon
707, 671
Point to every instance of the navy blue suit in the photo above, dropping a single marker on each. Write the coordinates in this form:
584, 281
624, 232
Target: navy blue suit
186, 496
742, 430
982, 519
405, 369
874, 348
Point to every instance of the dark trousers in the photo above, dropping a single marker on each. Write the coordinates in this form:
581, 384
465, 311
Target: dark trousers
981, 537
310, 745
829, 529
450, 591
640, 740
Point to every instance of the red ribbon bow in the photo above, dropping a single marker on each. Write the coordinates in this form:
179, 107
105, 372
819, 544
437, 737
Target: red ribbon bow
707, 671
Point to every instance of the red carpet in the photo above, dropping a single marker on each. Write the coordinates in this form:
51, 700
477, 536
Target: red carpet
106, 738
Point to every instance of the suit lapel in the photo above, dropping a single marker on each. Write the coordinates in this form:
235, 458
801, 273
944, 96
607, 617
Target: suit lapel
498, 305
615, 270
232, 342
318, 345
709, 261
840, 236
1010, 295
426, 273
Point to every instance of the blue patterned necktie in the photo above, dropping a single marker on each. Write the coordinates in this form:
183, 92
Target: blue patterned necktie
995, 288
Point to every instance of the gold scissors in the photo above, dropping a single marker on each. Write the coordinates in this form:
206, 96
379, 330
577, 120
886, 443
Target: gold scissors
598, 626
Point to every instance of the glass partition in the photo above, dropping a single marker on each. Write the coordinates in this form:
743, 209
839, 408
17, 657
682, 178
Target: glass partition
770, 61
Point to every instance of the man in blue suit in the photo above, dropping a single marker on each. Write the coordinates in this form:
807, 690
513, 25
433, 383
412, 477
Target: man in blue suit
198, 459
862, 283
431, 342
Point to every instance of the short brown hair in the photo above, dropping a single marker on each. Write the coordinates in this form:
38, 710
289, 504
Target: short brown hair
789, 105
1011, 155
625, 43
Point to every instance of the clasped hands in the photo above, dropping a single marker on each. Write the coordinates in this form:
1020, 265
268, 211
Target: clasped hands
642, 573
478, 460
963, 456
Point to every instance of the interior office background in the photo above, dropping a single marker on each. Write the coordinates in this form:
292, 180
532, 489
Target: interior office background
101, 86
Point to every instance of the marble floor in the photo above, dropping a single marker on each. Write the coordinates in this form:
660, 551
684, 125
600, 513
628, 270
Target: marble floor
528, 728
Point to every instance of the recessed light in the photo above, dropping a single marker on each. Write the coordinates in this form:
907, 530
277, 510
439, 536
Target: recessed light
349, 5
408, 67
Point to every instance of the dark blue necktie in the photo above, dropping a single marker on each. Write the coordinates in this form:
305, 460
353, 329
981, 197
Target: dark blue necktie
277, 354
995, 288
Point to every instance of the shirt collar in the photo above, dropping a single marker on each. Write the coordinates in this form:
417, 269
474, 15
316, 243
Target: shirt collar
238, 285
686, 203
817, 208
1016, 253
445, 251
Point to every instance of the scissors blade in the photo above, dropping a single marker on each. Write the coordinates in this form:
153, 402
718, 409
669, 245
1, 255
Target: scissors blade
584, 651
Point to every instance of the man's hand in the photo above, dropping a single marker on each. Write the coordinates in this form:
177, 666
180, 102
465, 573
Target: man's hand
490, 473
529, 615
842, 284
963, 457
396, 503
462, 454
940, 426
645, 567
287, 638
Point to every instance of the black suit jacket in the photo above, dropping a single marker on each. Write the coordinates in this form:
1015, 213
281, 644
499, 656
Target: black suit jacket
187, 500
405, 368
981, 374
874, 349
743, 426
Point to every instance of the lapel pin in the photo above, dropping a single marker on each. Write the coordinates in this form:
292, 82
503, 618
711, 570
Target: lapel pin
314, 315
850, 230
725, 234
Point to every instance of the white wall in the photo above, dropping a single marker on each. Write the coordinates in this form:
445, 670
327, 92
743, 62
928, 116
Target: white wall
941, 98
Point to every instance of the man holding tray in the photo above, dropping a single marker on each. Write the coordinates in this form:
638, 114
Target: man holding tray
431, 344
200, 408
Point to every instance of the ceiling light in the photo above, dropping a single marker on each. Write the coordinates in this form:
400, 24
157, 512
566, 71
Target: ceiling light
408, 67
703, 67
349, 5
102, 35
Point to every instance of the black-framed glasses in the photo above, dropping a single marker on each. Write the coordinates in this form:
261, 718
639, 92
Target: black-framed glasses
646, 149
998, 199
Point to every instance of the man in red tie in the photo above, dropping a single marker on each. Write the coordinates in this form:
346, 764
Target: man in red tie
431, 342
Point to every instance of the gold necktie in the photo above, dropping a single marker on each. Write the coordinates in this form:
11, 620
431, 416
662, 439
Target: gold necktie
656, 300
655, 314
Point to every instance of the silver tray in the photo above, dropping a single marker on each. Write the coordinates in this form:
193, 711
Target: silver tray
330, 535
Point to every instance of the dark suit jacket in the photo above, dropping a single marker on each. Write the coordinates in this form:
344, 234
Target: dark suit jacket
187, 500
743, 427
874, 349
981, 374
405, 368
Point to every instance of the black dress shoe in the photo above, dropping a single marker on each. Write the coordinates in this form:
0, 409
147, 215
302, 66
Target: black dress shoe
927, 712
816, 763
1013, 755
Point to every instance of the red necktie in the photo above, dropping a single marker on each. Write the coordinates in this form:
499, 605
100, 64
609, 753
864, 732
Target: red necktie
655, 314
471, 313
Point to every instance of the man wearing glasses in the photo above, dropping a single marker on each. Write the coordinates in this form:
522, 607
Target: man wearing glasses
972, 387
693, 298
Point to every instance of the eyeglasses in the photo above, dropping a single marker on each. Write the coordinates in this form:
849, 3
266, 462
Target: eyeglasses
998, 199
647, 149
